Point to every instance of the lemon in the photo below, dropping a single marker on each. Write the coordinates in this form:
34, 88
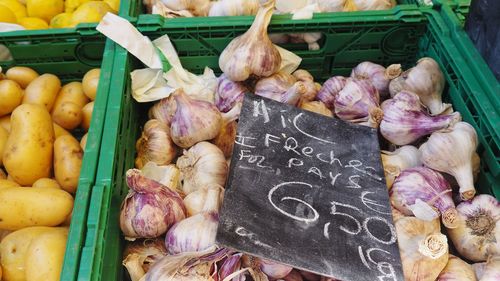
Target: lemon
61, 21
114, 4
6, 15
33, 23
92, 11
16, 7
71, 5
44, 9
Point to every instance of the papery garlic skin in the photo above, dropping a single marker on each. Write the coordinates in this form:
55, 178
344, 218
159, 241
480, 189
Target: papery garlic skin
281, 87
228, 93
234, 8
208, 199
377, 74
202, 165
452, 152
478, 233
488, 271
141, 254
253, 53
307, 79
358, 102
427, 186
198, 8
231, 265
405, 121
194, 121
196, 233
150, 208
330, 90
457, 270
396, 161
422, 247
155, 145
317, 107
168, 175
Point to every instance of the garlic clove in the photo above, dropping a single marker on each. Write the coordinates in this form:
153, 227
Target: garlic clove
155, 145
194, 121
253, 53
330, 90
229, 93
396, 161
317, 107
452, 152
405, 121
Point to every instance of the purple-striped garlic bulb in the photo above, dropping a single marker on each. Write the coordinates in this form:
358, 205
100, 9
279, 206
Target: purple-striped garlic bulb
377, 74
330, 90
427, 81
358, 102
273, 269
228, 93
150, 208
452, 152
405, 120
398, 160
307, 79
489, 270
425, 194
194, 121
282, 87
193, 234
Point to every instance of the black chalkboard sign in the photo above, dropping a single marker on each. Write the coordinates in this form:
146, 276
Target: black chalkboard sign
309, 191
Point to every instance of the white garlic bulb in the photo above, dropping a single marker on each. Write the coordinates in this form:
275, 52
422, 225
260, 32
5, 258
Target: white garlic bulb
396, 161
198, 8
202, 165
234, 8
155, 145
207, 199
253, 53
451, 151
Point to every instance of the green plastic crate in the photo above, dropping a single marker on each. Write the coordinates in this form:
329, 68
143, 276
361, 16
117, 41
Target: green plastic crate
70, 62
402, 37
459, 7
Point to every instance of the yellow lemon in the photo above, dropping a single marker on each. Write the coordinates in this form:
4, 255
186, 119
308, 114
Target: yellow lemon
114, 4
16, 7
92, 11
44, 9
71, 5
33, 23
61, 21
6, 15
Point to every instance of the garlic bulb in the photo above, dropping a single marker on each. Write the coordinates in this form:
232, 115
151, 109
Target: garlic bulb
457, 270
168, 175
234, 8
377, 74
478, 233
202, 165
225, 139
423, 192
204, 200
422, 247
427, 81
311, 38
311, 89
196, 233
150, 208
163, 110
155, 145
198, 8
253, 53
194, 121
280, 87
273, 269
489, 270
396, 161
229, 93
358, 102
141, 254
330, 90
405, 121
330, 5
452, 152
372, 5
317, 107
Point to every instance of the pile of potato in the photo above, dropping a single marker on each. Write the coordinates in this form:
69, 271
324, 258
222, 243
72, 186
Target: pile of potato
40, 163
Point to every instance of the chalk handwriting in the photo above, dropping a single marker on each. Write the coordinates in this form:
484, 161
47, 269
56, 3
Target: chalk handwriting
286, 184
259, 108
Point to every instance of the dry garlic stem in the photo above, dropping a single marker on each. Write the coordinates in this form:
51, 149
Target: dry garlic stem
253, 53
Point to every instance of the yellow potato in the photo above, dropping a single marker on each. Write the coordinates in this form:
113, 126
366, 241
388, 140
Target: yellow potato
5, 122
68, 115
46, 183
43, 91
71, 92
3, 175
67, 162
67, 221
87, 115
59, 131
4, 135
3, 233
11, 96
26, 206
90, 82
14, 250
22, 75
83, 141
4, 183
27, 155
45, 256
